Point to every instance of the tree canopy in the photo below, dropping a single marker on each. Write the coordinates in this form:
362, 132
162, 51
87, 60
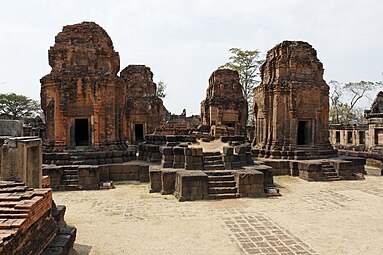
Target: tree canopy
161, 87
13, 106
247, 63
344, 98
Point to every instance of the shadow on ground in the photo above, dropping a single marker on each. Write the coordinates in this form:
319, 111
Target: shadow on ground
82, 249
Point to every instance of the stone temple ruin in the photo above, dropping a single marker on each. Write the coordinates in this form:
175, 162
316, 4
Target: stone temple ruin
144, 109
104, 126
362, 140
99, 120
225, 107
292, 122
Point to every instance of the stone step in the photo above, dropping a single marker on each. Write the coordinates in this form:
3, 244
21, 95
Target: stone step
70, 172
223, 196
222, 190
221, 178
70, 187
212, 158
212, 153
329, 179
214, 167
69, 178
219, 172
221, 184
213, 162
69, 183
330, 173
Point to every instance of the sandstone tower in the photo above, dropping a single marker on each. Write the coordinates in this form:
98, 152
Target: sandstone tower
225, 106
82, 97
144, 109
291, 105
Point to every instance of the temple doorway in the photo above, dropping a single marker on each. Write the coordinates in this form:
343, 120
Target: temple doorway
81, 132
138, 132
303, 133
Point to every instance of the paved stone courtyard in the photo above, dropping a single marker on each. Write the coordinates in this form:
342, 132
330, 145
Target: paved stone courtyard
343, 217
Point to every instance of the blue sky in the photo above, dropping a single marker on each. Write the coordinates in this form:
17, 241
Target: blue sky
184, 41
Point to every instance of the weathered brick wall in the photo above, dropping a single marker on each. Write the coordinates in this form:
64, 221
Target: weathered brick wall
27, 223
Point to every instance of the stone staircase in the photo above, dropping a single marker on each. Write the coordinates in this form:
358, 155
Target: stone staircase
213, 161
329, 173
221, 185
77, 158
69, 179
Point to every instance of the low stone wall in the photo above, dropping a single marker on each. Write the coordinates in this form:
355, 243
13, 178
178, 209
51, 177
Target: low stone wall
312, 170
372, 159
280, 167
235, 157
191, 185
55, 173
249, 182
89, 157
90, 176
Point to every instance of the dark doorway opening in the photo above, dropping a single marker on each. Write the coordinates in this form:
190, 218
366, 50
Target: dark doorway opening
230, 124
337, 134
139, 132
81, 132
303, 133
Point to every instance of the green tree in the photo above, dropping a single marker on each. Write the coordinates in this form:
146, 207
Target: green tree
343, 108
161, 87
247, 63
13, 106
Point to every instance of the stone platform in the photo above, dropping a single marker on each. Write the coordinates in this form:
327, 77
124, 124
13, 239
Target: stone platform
78, 177
186, 185
331, 169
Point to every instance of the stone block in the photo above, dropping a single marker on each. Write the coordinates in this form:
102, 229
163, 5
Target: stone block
177, 164
249, 182
155, 180
104, 173
115, 169
144, 173
228, 150
167, 157
188, 152
178, 150
168, 179
167, 150
167, 164
191, 185
179, 158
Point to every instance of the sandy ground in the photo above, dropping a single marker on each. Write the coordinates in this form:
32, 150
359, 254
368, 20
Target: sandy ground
215, 145
342, 217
